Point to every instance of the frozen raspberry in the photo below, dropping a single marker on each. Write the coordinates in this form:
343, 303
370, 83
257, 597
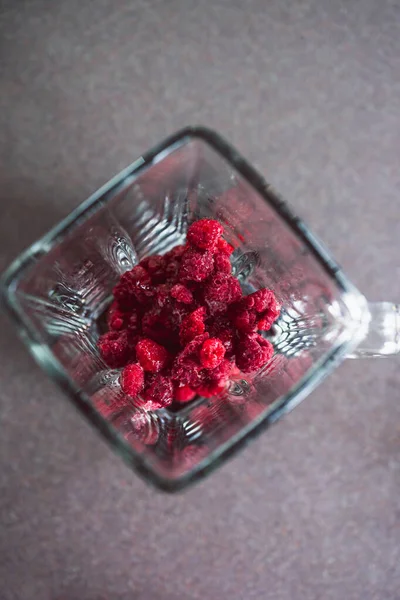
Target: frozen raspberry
115, 317
212, 389
162, 294
175, 253
115, 349
192, 325
196, 265
155, 265
133, 288
187, 373
222, 372
182, 294
245, 321
222, 264
132, 379
223, 246
153, 326
160, 392
192, 349
204, 234
171, 271
222, 288
262, 299
212, 352
251, 355
176, 314
184, 394
151, 355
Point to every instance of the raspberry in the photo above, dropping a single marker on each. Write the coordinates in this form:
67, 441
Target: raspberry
191, 350
115, 349
196, 265
162, 295
155, 265
175, 253
222, 264
151, 355
223, 289
192, 325
245, 321
132, 379
160, 392
184, 393
251, 355
204, 234
222, 372
115, 317
179, 322
133, 288
182, 294
212, 352
187, 373
209, 390
262, 299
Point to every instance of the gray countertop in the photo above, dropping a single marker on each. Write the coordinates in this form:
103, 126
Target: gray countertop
310, 92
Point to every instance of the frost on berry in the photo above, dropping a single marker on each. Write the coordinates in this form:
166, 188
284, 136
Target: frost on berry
188, 373
160, 391
192, 325
220, 291
209, 390
223, 246
212, 353
196, 265
151, 355
115, 349
132, 379
222, 264
184, 393
251, 354
204, 234
182, 294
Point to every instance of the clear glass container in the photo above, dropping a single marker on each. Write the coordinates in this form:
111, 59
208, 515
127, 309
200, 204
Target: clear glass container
58, 289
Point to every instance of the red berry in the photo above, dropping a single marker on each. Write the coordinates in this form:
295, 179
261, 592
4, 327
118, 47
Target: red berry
209, 390
245, 321
182, 294
192, 325
160, 392
223, 246
222, 264
222, 372
262, 299
187, 373
251, 355
196, 265
204, 234
222, 288
115, 349
132, 379
212, 352
151, 355
184, 394
115, 317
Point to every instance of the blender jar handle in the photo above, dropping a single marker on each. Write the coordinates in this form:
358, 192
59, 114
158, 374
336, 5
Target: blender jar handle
383, 332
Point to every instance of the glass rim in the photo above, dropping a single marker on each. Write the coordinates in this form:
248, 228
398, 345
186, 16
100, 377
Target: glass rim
52, 367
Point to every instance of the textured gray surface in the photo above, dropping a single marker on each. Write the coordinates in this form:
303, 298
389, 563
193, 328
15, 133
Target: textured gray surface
310, 91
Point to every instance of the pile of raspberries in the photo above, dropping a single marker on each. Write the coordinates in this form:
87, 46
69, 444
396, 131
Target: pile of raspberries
179, 325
